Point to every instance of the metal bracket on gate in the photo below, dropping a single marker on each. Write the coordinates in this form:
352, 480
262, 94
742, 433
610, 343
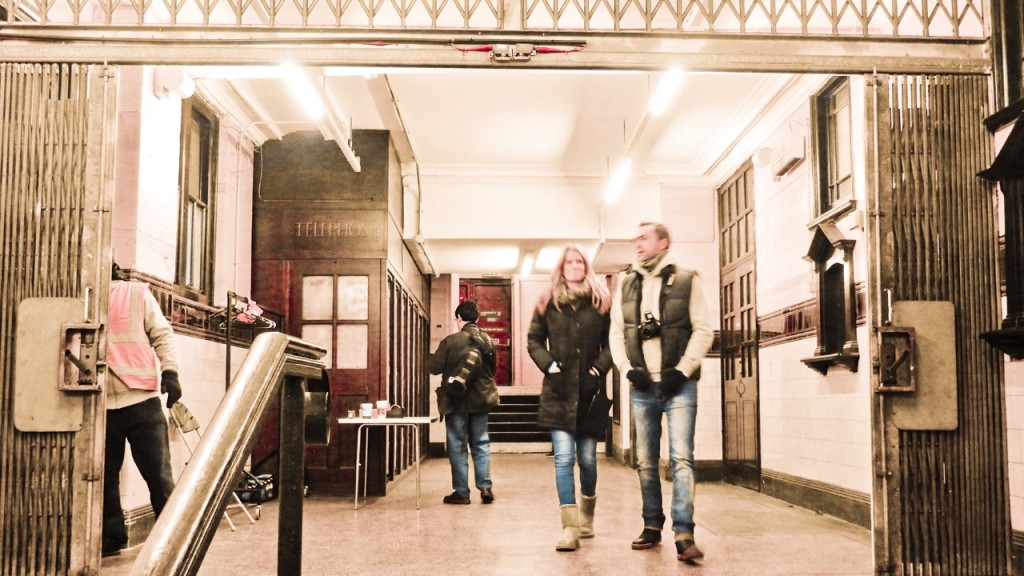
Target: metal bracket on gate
79, 365
897, 366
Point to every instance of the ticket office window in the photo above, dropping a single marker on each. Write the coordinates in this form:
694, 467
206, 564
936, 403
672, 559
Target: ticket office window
335, 315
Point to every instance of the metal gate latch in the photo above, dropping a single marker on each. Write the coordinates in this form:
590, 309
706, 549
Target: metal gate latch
79, 364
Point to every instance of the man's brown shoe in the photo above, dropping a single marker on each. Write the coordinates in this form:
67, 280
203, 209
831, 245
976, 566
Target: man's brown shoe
454, 498
687, 550
487, 496
647, 539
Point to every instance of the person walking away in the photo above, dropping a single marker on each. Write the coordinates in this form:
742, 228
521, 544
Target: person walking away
142, 364
660, 331
568, 341
467, 362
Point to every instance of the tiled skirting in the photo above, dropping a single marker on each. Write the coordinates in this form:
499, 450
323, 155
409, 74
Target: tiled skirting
848, 505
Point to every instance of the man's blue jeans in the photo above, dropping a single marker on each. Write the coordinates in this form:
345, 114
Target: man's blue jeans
681, 412
570, 449
468, 429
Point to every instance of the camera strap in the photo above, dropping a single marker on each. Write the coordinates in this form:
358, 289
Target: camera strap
668, 278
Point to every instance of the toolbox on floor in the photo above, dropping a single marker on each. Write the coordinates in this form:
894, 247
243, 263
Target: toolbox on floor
256, 489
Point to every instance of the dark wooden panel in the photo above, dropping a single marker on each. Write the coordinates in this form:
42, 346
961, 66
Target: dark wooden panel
270, 285
303, 167
297, 232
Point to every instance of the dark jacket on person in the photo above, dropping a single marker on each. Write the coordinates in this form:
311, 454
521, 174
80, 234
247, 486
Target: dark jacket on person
481, 393
577, 339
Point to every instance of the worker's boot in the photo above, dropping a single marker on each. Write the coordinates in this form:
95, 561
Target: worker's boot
570, 537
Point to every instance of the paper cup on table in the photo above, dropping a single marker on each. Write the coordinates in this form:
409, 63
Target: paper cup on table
365, 410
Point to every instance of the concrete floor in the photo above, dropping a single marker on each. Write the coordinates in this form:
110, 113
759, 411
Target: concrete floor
741, 532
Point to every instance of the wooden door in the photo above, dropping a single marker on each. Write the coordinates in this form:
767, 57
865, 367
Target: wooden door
494, 298
338, 305
740, 430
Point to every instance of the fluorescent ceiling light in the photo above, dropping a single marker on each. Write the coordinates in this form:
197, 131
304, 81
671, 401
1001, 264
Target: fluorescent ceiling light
304, 90
618, 180
665, 93
547, 258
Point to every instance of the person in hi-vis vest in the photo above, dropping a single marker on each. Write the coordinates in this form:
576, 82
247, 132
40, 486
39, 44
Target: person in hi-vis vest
142, 364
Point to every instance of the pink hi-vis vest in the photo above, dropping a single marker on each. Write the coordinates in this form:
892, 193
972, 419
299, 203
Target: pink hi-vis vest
129, 355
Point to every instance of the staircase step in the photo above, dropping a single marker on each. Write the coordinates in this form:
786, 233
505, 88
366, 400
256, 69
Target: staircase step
515, 408
515, 420
509, 437
516, 399
524, 426
513, 417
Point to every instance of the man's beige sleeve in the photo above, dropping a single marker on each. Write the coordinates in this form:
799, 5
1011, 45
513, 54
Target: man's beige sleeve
160, 333
703, 335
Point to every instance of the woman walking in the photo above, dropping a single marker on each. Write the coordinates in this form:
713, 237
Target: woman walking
568, 341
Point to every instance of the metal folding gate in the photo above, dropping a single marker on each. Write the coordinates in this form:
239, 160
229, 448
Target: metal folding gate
54, 223
940, 496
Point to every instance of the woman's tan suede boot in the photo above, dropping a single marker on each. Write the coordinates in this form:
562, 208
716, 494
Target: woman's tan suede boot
587, 516
570, 537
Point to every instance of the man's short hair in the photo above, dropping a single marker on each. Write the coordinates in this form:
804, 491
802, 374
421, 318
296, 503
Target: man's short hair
467, 311
660, 230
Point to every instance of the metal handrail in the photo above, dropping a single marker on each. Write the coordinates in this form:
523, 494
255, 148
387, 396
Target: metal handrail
186, 526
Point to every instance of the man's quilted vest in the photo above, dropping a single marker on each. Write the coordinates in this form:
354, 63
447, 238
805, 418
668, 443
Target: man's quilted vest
674, 308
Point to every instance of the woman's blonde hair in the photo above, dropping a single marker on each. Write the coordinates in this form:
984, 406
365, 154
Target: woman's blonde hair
599, 294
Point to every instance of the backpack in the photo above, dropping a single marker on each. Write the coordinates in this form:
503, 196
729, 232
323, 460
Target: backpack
482, 343
480, 353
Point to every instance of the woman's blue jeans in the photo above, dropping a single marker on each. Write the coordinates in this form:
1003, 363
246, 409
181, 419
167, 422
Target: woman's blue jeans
569, 450
468, 429
680, 410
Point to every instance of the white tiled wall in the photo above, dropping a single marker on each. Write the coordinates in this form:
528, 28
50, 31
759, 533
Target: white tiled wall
707, 436
234, 214
1015, 440
813, 426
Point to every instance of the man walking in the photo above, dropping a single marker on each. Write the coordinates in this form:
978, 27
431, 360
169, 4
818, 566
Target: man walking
659, 333
466, 361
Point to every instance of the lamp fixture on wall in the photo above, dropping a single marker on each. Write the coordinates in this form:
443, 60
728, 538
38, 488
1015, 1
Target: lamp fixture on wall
172, 81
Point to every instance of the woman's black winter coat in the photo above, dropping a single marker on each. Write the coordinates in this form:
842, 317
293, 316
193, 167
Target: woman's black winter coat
576, 340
